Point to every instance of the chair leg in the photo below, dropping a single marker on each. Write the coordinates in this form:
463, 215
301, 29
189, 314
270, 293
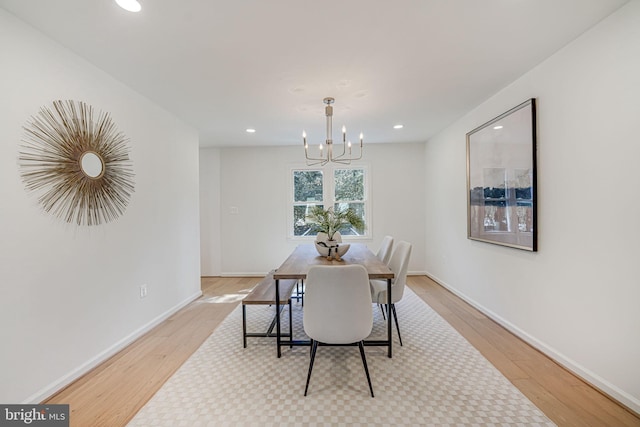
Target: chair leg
395, 317
364, 363
314, 347
382, 310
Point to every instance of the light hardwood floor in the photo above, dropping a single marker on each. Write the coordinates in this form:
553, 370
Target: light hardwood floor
111, 394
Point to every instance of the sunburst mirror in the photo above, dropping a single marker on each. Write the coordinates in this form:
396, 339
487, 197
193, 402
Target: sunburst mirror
77, 164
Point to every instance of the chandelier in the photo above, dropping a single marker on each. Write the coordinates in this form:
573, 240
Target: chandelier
326, 154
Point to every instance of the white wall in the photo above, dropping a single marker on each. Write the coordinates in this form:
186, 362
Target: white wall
256, 180
577, 297
210, 255
70, 295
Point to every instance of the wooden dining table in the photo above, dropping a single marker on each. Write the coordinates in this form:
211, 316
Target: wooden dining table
297, 265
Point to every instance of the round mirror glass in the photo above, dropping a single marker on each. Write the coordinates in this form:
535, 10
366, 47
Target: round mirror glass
91, 164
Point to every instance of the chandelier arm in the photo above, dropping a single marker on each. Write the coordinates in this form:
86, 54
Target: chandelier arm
342, 162
318, 162
350, 157
346, 159
324, 159
319, 159
344, 149
344, 143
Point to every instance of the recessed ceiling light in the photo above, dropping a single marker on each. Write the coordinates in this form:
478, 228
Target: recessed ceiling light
398, 126
497, 127
250, 130
130, 5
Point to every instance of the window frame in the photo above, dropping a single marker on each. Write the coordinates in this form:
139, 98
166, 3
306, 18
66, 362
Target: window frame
328, 195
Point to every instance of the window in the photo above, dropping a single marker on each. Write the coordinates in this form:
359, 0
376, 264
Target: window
307, 191
349, 192
340, 187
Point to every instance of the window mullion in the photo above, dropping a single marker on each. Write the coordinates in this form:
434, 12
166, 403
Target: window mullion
329, 185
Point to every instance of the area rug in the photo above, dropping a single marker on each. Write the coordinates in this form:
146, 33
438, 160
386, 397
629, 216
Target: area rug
435, 379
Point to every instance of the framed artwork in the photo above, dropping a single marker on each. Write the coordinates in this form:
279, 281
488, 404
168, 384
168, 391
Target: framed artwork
501, 179
77, 162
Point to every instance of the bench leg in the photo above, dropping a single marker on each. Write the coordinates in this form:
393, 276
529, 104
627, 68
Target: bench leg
278, 318
302, 293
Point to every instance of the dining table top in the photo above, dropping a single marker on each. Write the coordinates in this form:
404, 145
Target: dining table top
304, 256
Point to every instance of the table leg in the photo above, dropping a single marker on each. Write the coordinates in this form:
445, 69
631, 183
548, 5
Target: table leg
244, 326
278, 316
389, 328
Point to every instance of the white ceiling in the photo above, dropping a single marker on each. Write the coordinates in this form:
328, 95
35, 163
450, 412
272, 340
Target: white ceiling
224, 66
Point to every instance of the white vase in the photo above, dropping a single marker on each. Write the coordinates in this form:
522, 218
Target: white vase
331, 248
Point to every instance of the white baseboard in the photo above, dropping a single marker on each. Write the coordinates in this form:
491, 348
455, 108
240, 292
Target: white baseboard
417, 273
253, 274
590, 377
67, 379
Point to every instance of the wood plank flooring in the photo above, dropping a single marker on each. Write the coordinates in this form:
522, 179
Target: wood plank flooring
111, 394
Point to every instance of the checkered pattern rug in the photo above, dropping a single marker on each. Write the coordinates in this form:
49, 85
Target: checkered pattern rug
436, 379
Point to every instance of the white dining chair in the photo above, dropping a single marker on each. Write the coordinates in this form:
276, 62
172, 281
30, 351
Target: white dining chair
384, 252
399, 263
337, 309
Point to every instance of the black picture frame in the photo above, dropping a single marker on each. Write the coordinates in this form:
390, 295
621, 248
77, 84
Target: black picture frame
501, 179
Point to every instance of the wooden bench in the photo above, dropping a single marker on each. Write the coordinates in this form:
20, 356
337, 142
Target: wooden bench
264, 293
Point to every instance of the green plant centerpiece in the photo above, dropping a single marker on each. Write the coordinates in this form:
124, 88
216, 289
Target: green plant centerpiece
328, 223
